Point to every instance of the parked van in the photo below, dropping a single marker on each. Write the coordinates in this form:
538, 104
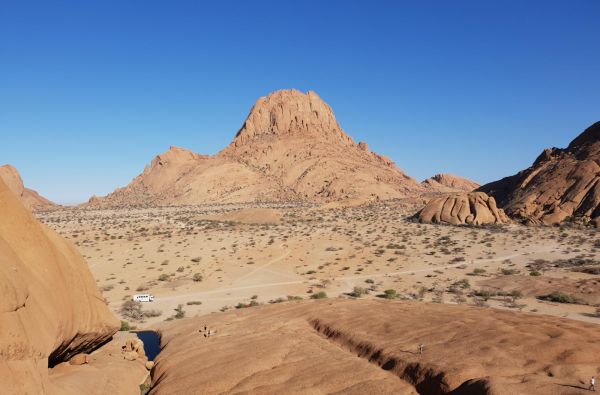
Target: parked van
143, 298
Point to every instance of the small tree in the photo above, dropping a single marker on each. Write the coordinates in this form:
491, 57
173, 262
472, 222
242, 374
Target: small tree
132, 310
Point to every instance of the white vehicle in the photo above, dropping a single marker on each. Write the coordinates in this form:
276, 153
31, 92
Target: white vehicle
143, 298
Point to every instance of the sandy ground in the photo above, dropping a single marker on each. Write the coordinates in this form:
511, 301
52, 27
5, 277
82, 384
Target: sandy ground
241, 255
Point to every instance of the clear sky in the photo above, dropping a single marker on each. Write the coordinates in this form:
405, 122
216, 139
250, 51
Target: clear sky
91, 91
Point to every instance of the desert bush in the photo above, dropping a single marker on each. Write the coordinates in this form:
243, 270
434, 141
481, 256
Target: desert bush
535, 273
319, 295
357, 292
194, 302
152, 313
132, 310
197, 277
179, 312
125, 326
390, 294
559, 297
163, 277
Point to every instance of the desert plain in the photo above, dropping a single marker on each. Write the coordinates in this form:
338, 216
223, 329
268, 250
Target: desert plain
212, 258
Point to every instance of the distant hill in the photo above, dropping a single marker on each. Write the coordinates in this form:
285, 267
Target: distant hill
28, 197
446, 182
290, 148
562, 184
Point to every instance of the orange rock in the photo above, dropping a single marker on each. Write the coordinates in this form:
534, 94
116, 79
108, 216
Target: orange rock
561, 185
290, 147
30, 198
475, 208
79, 359
50, 306
446, 182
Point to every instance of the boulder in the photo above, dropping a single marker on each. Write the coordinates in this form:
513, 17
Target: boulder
50, 306
475, 208
136, 345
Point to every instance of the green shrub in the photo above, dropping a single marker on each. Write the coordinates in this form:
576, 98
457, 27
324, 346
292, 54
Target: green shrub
125, 326
163, 277
559, 297
145, 388
390, 294
319, 295
535, 273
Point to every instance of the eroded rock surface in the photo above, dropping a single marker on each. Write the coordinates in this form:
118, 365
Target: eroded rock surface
371, 347
50, 307
475, 208
562, 184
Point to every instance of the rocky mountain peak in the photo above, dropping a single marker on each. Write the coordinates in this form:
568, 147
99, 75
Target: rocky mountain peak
291, 113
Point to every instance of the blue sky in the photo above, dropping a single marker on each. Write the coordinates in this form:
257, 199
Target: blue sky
91, 91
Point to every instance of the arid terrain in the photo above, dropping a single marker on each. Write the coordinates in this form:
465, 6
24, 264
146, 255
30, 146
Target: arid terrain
216, 258
298, 261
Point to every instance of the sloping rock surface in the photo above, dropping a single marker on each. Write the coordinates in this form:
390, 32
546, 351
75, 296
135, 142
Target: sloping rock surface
562, 184
50, 307
371, 347
30, 198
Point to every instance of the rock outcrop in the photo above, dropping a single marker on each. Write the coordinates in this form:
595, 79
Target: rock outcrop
50, 307
475, 208
290, 148
562, 184
30, 198
446, 182
370, 347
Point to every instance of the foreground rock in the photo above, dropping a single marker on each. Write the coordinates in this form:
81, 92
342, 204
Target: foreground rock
50, 307
474, 208
446, 182
290, 148
562, 184
28, 197
368, 347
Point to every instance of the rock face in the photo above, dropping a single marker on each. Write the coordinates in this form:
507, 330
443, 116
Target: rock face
50, 307
475, 208
446, 182
370, 347
30, 198
290, 148
561, 184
